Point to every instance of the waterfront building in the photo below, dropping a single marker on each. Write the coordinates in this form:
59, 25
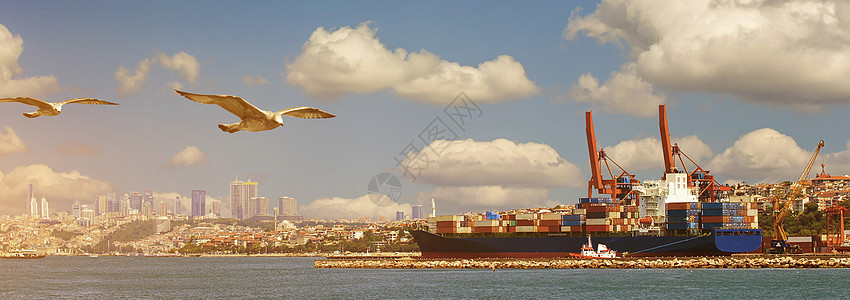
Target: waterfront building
288, 206
416, 212
100, 205
241, 192
199, 200
45, 211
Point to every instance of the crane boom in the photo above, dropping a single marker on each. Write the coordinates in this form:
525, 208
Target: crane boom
779, 235
596, 172
669, 162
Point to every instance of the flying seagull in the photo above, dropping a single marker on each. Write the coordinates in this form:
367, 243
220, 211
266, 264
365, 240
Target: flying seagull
253, 118
52, 109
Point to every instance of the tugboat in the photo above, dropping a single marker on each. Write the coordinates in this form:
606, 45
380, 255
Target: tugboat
602, 251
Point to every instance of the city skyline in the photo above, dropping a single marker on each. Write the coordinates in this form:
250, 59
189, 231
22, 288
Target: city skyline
494, 98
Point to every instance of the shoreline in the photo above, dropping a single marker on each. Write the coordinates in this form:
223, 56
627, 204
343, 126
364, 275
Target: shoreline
728, 262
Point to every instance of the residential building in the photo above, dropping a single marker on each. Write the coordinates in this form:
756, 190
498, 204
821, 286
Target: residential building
288, 206
199, 200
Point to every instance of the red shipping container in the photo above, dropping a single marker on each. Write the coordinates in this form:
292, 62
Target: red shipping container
549, 223
599, 228
511, 229
526, 222
447, 224
713, 219
596, 209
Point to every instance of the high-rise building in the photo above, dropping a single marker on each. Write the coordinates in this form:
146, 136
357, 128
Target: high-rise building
33, 208
45, 212
125, 205
263, 206
288, 206
30, 196
241, 192
112, 204
416, 212
86, 213
199, 202
216, 208
399, 215
149, 197
100, 205
75, 209
147, 211
136, 200
178, 206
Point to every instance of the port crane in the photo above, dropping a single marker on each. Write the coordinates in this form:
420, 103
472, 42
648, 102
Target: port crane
779, 244
698, 177
623, 187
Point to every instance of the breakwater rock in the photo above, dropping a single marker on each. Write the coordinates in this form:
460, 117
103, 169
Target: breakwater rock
652, 263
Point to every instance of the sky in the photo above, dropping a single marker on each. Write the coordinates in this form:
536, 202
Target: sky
476, 104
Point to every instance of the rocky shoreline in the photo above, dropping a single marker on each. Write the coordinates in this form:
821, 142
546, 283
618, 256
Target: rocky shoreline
818, 261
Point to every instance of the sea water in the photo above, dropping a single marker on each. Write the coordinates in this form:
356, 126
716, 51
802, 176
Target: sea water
295, 278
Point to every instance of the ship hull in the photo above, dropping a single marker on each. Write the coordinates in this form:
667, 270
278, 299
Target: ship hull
714, 244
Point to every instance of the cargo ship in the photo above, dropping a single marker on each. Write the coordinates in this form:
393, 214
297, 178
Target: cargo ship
687, 213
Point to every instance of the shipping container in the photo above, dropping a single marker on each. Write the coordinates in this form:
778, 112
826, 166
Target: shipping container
526, 216
711, 205
599, 228
579, 211
549, 223
486, 223
711, 212
598, 222
683, 205
444, 224
550, 216
682, 226
682, 212
526, 228
525, 222
572, 217
572, 223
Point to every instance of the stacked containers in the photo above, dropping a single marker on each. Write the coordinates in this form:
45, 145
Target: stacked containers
572, 223
729, 215
683, 216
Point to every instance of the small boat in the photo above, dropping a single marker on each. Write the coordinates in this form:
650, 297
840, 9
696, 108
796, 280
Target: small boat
23, 254
602, 251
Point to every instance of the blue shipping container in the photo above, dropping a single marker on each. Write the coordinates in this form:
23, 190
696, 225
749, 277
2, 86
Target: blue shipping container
572, 223
572, 218
711, 225
711, 205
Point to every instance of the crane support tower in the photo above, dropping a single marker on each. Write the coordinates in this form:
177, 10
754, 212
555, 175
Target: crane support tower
779, 244
623, 187
697, 177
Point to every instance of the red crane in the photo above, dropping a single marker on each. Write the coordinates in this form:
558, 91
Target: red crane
621, 187
698, 177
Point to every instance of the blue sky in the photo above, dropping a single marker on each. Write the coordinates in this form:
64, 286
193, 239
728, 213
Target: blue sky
749, 90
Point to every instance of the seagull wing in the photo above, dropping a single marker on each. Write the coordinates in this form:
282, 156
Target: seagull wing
233, 104
88, 101
305, 112
28, 100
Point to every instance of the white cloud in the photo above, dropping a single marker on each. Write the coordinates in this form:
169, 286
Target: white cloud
255, 80
190, 156
763, 155
342, 208
131, 84
498, 162
60, 188
11, 47
186, 66
11, 143
837, 163
642, 154
77, 148
182, 62
455, 200
791, 53
353, 60
624, 93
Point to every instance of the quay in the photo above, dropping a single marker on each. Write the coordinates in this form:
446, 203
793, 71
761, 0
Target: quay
735, 261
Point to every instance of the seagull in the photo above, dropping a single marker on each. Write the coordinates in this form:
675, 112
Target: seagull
253, 118
52, 109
